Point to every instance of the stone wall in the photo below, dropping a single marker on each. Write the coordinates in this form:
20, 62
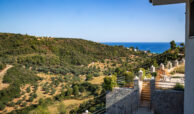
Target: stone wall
122, 101
166, 101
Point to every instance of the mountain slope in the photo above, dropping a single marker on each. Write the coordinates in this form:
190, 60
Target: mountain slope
25, 49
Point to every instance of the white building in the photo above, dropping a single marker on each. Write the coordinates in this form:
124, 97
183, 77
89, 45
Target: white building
189, 45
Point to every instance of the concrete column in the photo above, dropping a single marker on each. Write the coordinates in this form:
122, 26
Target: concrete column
162, 66
176, 63
169, 65
183, 61
138, 86
140, 74
189, 67
152, 69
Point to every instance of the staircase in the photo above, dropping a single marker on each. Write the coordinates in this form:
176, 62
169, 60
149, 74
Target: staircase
145, 94
144, 107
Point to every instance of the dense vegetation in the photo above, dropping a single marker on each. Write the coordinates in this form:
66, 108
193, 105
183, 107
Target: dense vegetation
65, 57
174, 53
2, 66
30, 50
16, 77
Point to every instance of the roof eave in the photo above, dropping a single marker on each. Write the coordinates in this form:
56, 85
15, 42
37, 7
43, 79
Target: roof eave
166, 2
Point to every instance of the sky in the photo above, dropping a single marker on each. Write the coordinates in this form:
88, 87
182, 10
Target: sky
95, 20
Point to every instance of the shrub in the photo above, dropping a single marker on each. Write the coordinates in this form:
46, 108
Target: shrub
179, 87
81, 89
11, 104
2, 106
19, 102
35, 95
69, 92
110, 83
24, 104
28, 90
76, 90
30, 99
61, 108
89, 77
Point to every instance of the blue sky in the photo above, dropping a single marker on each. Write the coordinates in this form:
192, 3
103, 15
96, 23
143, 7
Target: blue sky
96, 20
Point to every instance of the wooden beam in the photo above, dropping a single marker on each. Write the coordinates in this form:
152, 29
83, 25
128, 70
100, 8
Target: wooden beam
165, 2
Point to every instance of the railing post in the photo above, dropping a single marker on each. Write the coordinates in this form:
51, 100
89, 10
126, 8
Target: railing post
136, 83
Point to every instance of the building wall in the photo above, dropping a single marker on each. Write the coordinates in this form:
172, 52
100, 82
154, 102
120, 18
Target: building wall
168, 102
122, 101
189, 68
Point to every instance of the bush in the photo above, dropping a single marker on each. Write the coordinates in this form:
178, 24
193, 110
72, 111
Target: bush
81, 89
28, 90
89, 77
76, 90
2, 66
11, 104
24, 104
30, 99
61, 108
2, 106
19, 102
178, 87
69, 91
35, 95
110, 83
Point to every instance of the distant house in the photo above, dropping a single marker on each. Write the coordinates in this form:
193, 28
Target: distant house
189, 40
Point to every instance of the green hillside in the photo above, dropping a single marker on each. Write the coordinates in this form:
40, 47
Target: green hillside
54, 69
30, 50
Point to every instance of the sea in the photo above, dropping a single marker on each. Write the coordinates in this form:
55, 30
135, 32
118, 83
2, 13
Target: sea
154, 47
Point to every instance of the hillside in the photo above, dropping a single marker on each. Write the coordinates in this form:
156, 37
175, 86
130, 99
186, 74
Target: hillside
47, 71
54, 51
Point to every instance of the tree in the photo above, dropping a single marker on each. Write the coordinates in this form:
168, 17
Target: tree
89, 77
155, 64
69, 91
172, 44
76, 90
28, 90
110, 82
129, 76
182, 44
81, 89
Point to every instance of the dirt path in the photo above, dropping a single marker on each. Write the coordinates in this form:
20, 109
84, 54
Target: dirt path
2, 73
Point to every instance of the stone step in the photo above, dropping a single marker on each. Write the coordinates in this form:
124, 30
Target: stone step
145, 88
145, 91
145, 94
145, 98
145, 85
